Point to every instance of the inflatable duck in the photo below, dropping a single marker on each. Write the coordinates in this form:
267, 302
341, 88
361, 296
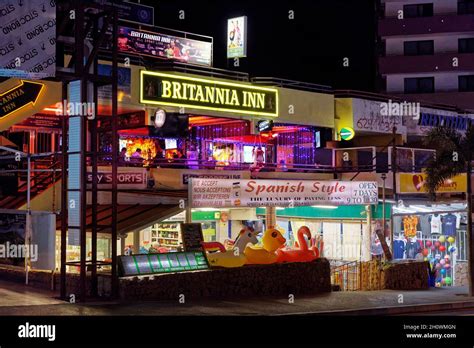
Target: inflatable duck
272, 240
303, 253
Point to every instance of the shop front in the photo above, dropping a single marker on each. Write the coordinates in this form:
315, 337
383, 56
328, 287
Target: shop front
432, 231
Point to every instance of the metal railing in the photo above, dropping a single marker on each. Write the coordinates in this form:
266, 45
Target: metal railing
346, 276
278, 82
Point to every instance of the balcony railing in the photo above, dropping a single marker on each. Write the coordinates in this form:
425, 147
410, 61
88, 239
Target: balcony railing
428, 63
446, 23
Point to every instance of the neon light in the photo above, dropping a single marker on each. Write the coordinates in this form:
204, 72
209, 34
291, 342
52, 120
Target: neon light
206, 94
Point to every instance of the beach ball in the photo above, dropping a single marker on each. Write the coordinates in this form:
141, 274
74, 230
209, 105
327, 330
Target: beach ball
442, 248
438, 266
452, 249
438, 284
443, 281
425, 252
448, 280
451, 240
443, 271
433, 248
429, 243
442, 262
437, 244
447, 266
426, 259
442, 239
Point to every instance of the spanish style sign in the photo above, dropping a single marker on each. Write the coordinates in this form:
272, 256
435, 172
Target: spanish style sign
18, 97
415, 183
198, 93
227, 193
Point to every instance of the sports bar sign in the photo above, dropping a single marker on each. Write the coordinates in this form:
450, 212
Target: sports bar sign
225, 193
199, 93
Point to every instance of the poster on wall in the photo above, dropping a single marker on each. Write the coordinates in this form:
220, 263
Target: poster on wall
237, 37
225, 193
28, 47
124, 90
141, 42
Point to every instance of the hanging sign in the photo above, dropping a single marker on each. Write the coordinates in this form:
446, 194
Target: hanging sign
347, 133
25, 94
415, 183
224, 193
199, 93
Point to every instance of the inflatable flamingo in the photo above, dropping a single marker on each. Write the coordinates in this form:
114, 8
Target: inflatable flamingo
302, 253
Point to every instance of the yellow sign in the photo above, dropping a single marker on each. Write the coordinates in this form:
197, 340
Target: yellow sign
198, 93
415, 183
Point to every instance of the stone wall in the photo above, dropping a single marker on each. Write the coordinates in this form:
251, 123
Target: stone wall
376, 275
252, 280
461, 270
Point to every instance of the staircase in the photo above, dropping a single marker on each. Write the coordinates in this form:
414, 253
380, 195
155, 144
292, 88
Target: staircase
40, 181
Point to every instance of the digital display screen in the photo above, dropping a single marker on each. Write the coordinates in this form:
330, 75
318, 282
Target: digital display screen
171, 144
248, 153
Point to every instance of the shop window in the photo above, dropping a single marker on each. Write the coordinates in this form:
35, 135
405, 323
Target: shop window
418, 48
419, 85
466, 45
466, 83
418, 10
465, 6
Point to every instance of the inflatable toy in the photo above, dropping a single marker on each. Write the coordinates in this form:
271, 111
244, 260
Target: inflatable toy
443, 281
246, 236
442, 239
425, 252
429, 243
425, 259
437, 244
443, 271
448, 280
433, 248
272, 240
227, 259
451, 240
438, 266
442, 248
442, 262
302, 253
446, 257
447, 266
452, 249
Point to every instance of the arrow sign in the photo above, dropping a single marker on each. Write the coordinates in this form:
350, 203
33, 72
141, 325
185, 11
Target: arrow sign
20, 96
347, 133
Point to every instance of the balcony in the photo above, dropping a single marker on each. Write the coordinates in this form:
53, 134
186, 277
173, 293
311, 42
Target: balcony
448, 23
426, 64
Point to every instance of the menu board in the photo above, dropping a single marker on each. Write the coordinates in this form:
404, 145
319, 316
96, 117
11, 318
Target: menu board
192, 236
161, 263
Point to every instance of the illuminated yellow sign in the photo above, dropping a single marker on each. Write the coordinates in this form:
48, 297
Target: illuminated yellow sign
198, 93
18, 97
415, 183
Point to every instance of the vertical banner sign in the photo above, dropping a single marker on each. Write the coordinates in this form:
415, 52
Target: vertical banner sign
28, 44
237, 37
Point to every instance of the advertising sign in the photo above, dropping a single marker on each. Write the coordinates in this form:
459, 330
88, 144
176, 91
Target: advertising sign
192, 236
141, 42
132, 12
28, 47
199, 93
124, 90
162, 263
126, 178
237, 37
224, 193
415, 183
18, 97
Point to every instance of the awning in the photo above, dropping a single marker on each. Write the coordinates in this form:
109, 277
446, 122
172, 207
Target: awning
130, 218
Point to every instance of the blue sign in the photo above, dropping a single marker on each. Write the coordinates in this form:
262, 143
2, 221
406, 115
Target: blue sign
455, 122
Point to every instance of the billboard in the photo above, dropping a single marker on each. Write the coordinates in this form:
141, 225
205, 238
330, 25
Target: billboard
28, 46
224, 193
141, 42
237, 37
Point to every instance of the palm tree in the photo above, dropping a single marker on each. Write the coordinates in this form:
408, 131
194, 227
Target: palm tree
454, 156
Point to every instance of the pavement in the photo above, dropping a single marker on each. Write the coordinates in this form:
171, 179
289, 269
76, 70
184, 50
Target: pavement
19, 299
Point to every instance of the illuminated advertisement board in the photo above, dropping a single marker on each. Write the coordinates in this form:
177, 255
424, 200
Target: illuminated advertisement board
199, 93
237, 37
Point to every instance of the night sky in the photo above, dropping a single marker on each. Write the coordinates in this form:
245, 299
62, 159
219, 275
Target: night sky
309, 48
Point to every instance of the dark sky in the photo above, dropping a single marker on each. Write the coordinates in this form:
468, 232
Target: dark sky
309, 48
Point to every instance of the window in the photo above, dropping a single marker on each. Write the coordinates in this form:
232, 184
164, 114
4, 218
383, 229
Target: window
465, 6
466, 83
417, 10
466, 45
419, 85
418, 48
